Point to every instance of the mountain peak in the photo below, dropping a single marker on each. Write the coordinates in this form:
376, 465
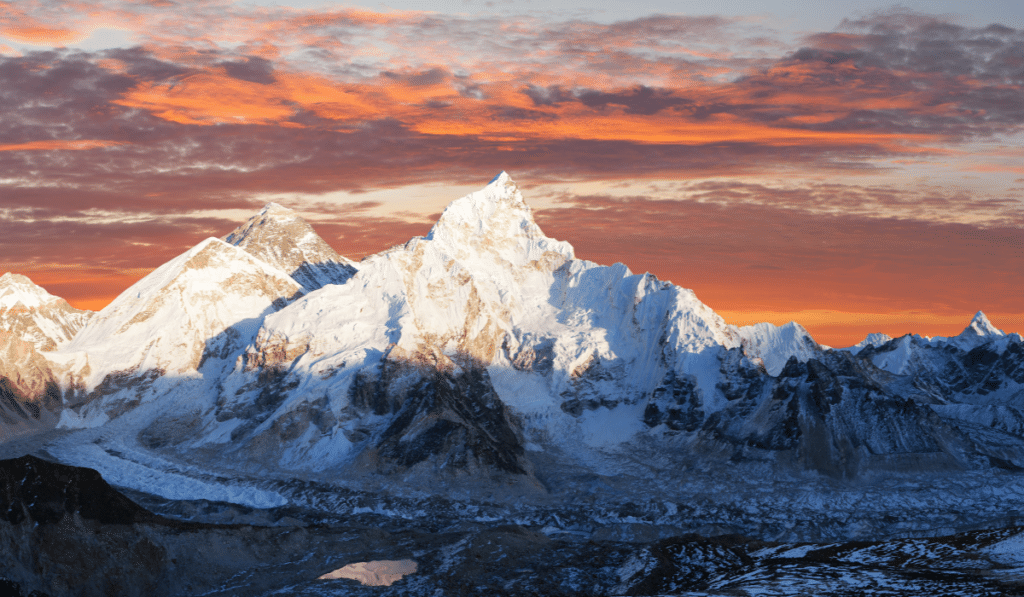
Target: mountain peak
276, 209
282, 238
15, 288
875, 339
12, 278
774, 345
496, 220
979, 331
981, 326
34, 315
169, 319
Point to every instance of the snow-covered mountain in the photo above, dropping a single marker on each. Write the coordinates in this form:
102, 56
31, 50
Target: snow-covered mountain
572, 350
979, 331
774, 345
462, 346
974, 379
30, 313
278, 236
957, 364
874, 339
31, 321
464, 350
486, 352
484, 378
206, 303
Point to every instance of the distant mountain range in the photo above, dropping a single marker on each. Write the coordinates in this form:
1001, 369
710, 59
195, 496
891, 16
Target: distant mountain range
484, 355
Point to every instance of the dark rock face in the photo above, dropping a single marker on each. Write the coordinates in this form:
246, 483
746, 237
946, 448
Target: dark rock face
58, 521
18, 410
676, 403
318, 275
454, 419
64, 531
948, 373
841, 416
44, 492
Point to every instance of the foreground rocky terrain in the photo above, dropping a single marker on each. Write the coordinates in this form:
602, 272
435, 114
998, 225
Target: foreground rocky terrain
509, 417
66, 532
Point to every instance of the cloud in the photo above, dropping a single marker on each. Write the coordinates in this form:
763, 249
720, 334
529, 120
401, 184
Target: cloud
551, 95
253, 69
144, 122
222, 103
429, 77
639, 100
79, 144
20, 25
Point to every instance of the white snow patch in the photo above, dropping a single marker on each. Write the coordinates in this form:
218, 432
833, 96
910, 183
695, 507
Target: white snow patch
774, 345
174, 486
1008, 551
608, 427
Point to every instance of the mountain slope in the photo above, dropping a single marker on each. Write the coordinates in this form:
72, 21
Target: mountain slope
774, 345
204, 304
30, 398
30, 313
554, 348
280, 237
484, 356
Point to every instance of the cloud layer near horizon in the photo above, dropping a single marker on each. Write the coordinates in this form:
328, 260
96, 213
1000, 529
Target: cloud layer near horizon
835, 157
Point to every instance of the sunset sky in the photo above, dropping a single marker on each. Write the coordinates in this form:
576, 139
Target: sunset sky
854, 166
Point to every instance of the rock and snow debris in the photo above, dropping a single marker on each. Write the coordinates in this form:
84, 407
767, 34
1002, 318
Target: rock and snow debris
283, 239
33, 315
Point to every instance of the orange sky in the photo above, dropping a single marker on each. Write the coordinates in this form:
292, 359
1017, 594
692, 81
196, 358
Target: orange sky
858, 180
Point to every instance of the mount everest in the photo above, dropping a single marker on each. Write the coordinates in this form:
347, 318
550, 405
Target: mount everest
482, 386
473, 343
485, 360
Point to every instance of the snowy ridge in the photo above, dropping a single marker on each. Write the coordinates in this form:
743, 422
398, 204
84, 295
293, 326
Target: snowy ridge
775, 345
36, 316
875, 339
280, 237
487, 352
979, 331
566, 343
170, 319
